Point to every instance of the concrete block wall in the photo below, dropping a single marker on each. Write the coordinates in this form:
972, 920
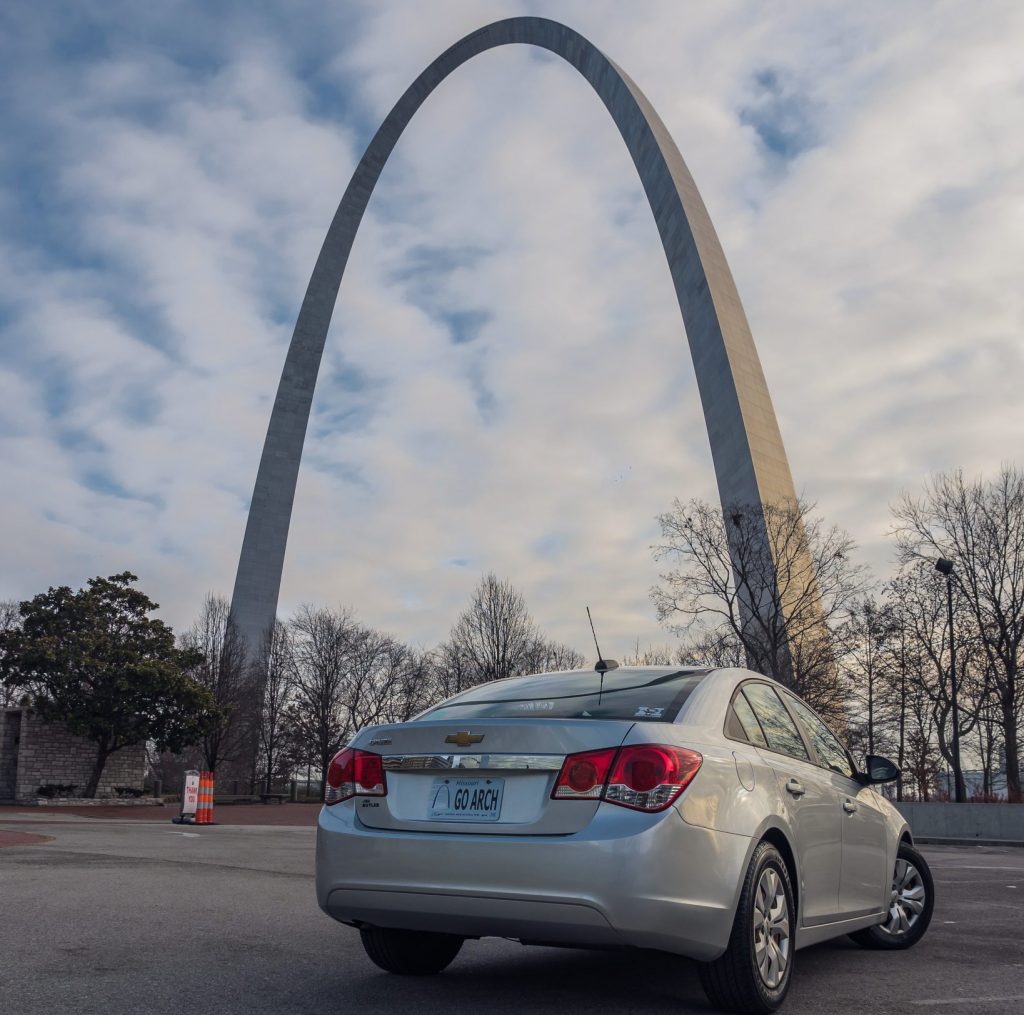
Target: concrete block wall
48, 753
965, 821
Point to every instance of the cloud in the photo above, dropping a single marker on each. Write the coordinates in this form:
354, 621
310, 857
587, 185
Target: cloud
506, 384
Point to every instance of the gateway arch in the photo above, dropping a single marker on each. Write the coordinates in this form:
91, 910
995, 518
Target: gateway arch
746, 446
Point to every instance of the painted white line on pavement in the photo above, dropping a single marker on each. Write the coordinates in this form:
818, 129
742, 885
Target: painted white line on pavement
970, 867
968, 1000
962, 881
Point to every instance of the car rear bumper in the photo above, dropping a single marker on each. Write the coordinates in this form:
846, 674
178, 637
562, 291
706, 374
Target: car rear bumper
627, 880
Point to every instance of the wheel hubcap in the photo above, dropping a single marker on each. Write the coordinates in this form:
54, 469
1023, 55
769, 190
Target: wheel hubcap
906, 901
771, 928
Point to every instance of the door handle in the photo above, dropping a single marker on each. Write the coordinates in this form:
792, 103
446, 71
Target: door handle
795, 788
849, 806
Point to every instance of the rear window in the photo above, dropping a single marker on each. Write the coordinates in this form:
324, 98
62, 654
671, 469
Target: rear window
626, 694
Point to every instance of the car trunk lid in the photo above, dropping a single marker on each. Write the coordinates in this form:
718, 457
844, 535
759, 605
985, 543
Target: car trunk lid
484, 776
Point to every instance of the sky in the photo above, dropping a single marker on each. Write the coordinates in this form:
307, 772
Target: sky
506, 385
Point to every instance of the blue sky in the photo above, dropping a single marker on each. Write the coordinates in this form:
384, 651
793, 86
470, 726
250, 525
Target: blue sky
506, 384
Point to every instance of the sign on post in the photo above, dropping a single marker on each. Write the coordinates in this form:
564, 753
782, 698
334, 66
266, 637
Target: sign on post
189, 799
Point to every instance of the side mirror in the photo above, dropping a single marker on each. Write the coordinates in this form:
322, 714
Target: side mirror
879, 770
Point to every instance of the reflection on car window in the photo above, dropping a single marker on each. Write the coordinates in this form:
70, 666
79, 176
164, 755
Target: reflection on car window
733, 728
826, 746
778, 726
646, 695
747, 722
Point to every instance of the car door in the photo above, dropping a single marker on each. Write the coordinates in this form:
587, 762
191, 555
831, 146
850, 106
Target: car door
808, 798
865, 875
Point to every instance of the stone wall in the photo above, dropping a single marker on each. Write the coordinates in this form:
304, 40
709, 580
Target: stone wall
48, 753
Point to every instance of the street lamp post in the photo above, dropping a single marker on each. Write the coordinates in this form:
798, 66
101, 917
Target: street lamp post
946, 567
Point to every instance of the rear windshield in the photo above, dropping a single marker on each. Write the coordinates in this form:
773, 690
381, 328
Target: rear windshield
626, 694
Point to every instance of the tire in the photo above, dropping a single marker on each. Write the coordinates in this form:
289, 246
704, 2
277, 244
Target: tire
735, 981
410, 952
909, 914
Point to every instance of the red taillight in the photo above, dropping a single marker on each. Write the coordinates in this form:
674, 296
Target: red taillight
354, 773
583, 775
369, 774
650, 777
645, 777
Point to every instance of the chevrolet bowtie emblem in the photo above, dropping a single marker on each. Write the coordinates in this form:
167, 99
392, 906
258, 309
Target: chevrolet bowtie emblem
463, 739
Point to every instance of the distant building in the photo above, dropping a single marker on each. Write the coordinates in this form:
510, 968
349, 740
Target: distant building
975, 781
37, 757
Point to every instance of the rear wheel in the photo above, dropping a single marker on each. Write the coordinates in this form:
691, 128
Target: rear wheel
911, 901
753, 975
410, 952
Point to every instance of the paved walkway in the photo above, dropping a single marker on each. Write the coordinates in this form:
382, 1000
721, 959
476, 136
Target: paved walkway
293, 815
21, 838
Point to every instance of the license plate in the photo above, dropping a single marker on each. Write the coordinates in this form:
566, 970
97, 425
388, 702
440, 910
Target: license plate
454, 799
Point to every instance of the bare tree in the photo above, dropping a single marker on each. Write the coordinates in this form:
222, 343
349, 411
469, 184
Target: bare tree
451, 670
719, 648
980, 526
898, 652
871, 626
223, 673
697, 647
387, 681
544, 656
273, 674
801, 578
346, 676
989, 738
922, 765
496, 633
318, 716
919, 603
494, 638
411, 678
653, 655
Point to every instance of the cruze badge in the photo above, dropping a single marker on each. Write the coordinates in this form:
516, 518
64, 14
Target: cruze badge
463, 739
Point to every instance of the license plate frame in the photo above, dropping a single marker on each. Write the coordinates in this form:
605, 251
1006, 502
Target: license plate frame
453, 798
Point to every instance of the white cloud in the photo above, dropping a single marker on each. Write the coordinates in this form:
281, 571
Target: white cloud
191, 171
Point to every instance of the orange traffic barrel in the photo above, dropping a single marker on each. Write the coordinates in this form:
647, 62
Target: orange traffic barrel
203, 816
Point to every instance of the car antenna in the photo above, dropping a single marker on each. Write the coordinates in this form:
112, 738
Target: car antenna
603, 665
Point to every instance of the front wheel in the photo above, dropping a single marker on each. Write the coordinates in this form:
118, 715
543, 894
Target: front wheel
911, 901
410, 952
753, 974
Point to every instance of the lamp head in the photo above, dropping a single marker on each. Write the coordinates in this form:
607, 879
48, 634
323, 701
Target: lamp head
945, 566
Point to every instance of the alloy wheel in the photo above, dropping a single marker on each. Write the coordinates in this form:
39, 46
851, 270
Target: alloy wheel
906, 902
771, 929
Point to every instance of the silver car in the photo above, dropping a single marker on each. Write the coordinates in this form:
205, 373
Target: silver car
707, 813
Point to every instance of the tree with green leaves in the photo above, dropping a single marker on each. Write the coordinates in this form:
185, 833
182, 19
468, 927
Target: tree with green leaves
96, 662
10, 620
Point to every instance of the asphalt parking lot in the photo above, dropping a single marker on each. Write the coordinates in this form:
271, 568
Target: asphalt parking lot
142, 917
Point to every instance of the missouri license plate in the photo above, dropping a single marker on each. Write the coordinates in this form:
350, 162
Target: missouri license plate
454, 799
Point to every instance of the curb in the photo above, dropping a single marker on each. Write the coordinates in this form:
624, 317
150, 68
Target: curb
935, 840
